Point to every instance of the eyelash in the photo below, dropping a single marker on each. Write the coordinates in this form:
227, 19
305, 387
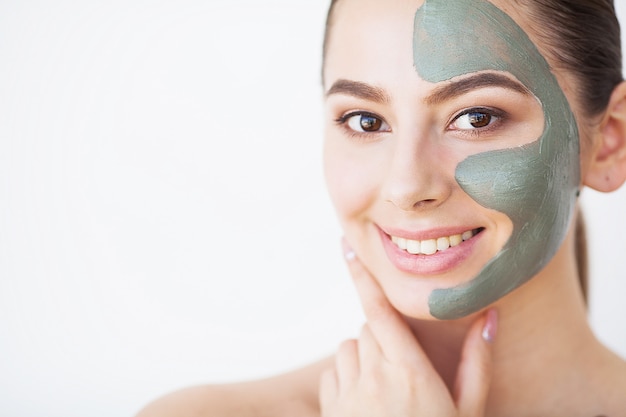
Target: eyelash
499, 116
343, 121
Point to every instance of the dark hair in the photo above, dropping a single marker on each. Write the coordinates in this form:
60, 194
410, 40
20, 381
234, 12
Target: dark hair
581, 37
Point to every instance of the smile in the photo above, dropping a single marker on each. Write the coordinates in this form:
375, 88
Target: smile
432, 246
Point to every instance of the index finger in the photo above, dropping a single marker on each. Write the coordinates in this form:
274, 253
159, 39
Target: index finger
393, 334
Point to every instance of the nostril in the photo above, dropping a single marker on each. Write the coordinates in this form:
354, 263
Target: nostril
426, 202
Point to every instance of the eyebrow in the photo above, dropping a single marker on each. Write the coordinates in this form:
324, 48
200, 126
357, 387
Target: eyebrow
462, 86
359, 90
443, 93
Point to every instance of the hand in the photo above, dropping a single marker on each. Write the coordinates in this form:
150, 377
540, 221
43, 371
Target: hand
385, 373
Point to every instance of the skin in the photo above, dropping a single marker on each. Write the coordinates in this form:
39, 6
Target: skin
534, 185
403, 176
404, 362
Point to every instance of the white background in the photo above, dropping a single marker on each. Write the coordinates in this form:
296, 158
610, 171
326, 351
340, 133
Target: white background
163, 218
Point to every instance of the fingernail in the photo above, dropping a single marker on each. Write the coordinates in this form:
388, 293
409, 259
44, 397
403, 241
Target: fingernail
348, 253
491, 326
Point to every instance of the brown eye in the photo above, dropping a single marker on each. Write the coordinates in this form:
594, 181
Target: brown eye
479, 119
474, 119
364, 122
370, 123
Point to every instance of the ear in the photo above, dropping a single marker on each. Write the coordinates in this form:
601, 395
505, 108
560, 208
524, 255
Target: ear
607, 167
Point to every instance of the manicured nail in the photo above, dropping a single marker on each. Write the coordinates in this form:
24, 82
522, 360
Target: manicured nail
348, 253
491, 326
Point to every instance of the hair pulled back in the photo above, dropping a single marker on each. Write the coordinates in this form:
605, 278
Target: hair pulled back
583, 38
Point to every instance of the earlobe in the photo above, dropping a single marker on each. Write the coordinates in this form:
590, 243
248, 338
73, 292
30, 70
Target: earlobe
607, 167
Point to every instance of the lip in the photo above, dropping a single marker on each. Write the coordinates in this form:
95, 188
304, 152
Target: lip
437, 263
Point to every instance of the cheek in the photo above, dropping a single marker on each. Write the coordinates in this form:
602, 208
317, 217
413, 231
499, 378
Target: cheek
352, 179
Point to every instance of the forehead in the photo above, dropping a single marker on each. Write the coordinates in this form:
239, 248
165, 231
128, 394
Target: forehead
368, 36
355, 11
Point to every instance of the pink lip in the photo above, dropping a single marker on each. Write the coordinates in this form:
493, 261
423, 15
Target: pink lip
437, 263
427, 234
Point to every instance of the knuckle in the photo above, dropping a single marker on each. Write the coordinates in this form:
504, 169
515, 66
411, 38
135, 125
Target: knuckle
348, 345
365, 332
347, 348
374, 384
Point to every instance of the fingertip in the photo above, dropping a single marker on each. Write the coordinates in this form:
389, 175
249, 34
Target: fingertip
490, 327
348, 252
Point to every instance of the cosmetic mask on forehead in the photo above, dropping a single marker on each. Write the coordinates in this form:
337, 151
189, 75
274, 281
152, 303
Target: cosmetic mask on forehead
535, 185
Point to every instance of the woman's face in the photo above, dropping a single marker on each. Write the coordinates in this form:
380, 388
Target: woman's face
441, 131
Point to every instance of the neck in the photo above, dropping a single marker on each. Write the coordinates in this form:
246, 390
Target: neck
542, 332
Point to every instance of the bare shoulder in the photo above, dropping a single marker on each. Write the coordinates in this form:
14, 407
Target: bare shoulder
291, 394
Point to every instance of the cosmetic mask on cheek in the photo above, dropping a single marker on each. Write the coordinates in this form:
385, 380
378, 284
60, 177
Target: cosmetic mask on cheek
535, 185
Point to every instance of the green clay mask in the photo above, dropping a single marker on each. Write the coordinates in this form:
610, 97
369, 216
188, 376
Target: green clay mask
535, 185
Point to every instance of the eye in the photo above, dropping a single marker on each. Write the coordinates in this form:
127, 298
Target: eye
474, 119
362, 122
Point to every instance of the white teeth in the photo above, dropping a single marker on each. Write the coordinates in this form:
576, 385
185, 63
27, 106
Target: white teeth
443, 243
455, 240
413, 247
431, 246
428, 247
400, 241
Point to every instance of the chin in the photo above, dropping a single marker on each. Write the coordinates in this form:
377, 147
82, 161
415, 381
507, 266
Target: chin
410, 294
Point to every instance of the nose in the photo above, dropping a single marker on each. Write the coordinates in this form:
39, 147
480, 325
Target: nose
420, 175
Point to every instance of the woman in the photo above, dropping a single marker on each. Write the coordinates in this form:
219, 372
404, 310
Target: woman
459, 134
